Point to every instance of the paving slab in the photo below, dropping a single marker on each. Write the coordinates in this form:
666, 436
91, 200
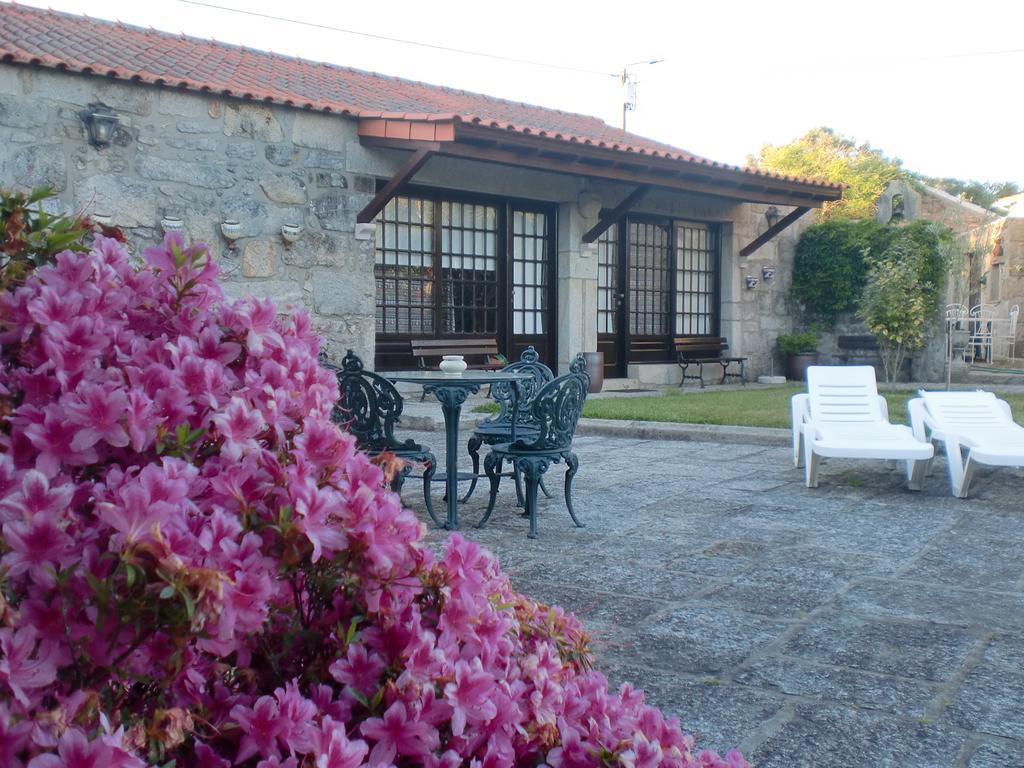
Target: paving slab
849, 625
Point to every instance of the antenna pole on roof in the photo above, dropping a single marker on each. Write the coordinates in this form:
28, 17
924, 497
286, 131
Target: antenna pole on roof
628, 80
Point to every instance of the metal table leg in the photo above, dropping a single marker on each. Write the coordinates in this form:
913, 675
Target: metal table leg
451, 395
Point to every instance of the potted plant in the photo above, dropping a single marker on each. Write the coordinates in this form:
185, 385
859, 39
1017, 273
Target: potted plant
800, 351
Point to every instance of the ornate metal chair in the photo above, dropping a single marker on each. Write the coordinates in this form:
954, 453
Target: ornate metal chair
555, 411
369, 408
498, 429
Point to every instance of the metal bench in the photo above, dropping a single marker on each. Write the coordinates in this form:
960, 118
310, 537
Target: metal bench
703, 350
480, 354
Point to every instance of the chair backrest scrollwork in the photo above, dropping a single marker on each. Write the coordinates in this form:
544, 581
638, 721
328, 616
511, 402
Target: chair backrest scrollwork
503, 392
556, 411
579, 367
369, 407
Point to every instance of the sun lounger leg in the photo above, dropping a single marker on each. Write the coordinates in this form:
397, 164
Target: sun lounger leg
965, 481
915, 473
956, 467
811, 460
797, 408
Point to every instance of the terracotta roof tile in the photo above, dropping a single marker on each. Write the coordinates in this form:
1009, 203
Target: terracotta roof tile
91, 46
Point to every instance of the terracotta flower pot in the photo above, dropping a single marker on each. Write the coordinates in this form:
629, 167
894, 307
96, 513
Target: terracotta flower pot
595, 367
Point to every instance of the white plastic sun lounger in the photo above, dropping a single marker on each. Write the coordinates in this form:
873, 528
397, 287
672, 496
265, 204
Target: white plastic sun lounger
845, 417
973, 427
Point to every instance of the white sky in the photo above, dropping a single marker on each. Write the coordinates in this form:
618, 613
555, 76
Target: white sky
937, 84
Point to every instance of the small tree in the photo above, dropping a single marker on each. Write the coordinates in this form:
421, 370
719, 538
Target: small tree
895, 305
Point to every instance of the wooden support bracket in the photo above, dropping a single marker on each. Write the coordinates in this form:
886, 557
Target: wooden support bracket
771, 232
615, 214
394, 185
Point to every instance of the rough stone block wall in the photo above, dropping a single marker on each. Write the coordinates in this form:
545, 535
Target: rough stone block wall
764, 311
206, 159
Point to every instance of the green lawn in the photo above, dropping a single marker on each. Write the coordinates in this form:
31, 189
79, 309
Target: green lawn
742, 407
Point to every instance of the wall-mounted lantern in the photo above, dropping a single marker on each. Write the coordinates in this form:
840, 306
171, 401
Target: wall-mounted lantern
751, 282
768, 273
172, 224
100, 123
232, 230
290, 233
772, 216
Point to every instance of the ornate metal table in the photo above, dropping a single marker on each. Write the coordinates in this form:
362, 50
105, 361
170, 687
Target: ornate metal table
451, 390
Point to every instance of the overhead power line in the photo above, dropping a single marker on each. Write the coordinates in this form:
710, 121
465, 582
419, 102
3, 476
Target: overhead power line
418, 43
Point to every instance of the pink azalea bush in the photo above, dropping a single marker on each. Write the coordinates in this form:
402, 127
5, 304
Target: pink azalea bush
197, 567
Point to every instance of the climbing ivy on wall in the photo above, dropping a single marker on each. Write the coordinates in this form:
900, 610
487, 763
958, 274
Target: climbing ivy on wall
833, 259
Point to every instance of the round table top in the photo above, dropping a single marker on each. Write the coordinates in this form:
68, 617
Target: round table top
467, 377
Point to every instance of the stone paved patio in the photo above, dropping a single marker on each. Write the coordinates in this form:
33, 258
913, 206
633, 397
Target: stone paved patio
856, 624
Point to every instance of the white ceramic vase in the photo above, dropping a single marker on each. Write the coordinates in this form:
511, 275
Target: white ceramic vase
453, 365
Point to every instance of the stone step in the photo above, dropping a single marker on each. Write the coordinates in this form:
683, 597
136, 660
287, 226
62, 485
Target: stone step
620, 385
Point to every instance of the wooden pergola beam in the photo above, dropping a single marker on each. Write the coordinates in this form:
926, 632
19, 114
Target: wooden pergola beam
394, 184
615, 214
772, 231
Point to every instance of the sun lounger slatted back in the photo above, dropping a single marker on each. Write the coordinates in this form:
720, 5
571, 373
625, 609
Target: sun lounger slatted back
967, 410
844, 394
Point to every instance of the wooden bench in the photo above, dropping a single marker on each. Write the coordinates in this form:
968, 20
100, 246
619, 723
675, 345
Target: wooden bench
858, 350
701, 350
480, 354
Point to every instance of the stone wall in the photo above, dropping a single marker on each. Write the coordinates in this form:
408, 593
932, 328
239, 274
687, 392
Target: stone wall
206, 159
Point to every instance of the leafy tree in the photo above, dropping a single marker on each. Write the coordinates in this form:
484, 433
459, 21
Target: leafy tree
893, 306
823, 153
904, 287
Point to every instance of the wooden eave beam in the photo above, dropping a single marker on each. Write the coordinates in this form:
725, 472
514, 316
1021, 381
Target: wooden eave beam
723, 175
394, 184
581, 166
615, 214
771, 232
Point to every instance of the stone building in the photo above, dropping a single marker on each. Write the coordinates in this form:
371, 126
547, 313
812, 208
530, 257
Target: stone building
395, 210
990, 270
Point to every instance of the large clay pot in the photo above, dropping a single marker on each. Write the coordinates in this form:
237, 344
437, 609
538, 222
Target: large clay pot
797, 365
595, 368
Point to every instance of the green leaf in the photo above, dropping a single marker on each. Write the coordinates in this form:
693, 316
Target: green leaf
352, 628
167, 592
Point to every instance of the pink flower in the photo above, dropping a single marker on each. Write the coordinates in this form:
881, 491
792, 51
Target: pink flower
470, 696
98, 410
33, 497
53, 438
315, 516
238, 424
37, 548
74, 750
261, 726
359, 669
397, 733
22, 673
335, 750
